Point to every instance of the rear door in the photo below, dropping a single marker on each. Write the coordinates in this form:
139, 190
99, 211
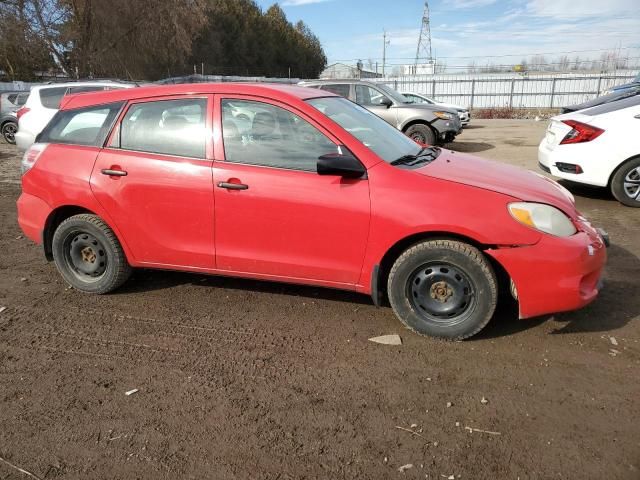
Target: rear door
154, 180
371, 98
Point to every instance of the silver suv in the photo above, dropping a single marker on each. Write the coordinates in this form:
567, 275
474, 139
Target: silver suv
424, 123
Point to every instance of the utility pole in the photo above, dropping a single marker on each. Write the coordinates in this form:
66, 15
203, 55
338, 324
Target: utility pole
385, 42
424, 41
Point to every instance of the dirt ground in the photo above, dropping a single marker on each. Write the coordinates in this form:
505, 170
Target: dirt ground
245, 379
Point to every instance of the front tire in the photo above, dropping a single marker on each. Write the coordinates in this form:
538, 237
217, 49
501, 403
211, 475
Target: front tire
443, 288
88, 255
625, 184
421, 133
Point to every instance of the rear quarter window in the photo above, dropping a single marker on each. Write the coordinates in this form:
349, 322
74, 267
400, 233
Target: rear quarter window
83, 126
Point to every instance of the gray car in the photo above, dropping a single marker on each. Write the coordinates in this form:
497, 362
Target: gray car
424, 123
9, 103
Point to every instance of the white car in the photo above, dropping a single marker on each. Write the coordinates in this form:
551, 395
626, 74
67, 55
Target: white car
44, 102
463, 112
598, 146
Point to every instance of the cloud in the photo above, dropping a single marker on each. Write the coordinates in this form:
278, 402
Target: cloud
585, 8
470, 3
297, 3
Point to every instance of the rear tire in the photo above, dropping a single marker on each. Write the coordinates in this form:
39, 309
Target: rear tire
88, 255
625, 184
9, 130
443, 288
421, 133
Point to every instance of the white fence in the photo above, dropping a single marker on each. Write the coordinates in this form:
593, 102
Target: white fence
541, 90
550, 90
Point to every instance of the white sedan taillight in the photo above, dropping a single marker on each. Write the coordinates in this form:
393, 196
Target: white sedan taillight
31, 156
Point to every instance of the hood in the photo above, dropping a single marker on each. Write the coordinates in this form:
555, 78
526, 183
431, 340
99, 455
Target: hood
451, 106
516, 182
426, 106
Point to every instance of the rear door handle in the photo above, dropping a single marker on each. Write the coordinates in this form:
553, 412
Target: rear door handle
113, 173
233, 186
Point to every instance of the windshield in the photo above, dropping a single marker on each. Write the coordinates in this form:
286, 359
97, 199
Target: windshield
384, 140
393, 94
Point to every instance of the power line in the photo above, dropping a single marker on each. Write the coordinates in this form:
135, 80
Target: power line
505, 55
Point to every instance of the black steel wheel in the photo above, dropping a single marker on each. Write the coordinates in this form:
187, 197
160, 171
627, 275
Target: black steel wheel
443, 288
88, 255
9, 130
441, 292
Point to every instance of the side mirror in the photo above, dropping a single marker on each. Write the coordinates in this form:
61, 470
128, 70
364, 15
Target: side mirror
386, 102
342, 165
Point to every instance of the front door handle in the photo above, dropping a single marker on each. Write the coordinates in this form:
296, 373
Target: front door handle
233, 186
113, 173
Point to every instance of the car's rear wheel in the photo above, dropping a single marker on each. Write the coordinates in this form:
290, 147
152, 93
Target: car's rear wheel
625, 184
88, 254
443, 288
9, 130
421, 133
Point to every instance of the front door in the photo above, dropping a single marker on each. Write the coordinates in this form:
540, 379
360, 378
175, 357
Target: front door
275, 216
154, 180
372, 98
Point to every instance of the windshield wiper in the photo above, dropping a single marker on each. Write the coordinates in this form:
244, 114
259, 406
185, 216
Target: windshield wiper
427, 154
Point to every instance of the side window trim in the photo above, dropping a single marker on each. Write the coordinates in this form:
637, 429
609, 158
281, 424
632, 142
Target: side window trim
218, 127
113, 140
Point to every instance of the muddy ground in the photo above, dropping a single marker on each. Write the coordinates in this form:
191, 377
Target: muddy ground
245, 379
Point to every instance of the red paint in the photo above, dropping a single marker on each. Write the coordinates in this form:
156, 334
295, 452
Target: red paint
169, 212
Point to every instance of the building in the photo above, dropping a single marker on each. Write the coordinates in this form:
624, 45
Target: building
344, 71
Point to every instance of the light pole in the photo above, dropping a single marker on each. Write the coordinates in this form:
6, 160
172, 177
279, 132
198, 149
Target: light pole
385, 42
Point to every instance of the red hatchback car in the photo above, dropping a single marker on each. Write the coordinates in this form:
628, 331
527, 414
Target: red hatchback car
298, 185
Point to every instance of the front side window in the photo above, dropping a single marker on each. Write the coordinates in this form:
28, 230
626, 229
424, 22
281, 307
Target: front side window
257, 133
169, 127
384, 140
341, 89
367, 96
83, 126
51, 97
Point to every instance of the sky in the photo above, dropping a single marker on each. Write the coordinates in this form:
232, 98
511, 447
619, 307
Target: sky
497, 31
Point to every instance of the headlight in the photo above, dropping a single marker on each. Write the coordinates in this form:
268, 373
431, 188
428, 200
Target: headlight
606, 92
443, 115
544, 218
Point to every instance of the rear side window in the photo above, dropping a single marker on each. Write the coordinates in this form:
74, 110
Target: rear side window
51, 97
12, 97
83, 126
22, 99
169, 127
341, 89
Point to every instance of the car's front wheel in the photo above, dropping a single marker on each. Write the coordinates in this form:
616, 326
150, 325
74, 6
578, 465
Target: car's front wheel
421, 133
88, 254
625, 184
9, 130
443, 288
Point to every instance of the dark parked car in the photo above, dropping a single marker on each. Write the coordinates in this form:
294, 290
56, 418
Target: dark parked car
608, 98
9, 103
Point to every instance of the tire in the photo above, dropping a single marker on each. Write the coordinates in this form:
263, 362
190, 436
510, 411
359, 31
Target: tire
625, 184
88, 255
421, 133
443, 288
9, 130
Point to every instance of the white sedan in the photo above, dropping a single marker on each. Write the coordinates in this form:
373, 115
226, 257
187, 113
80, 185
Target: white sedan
463, 112
598, 146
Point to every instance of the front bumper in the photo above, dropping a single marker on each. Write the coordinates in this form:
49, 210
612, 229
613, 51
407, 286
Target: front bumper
556, 274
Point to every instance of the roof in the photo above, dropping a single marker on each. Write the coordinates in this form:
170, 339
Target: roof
273, 91
337, 80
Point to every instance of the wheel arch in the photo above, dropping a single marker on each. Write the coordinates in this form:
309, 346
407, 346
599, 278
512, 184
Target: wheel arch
622, 163
380, 274
419, 121
55, 218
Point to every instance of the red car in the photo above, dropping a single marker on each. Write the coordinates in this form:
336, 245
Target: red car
298, 185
